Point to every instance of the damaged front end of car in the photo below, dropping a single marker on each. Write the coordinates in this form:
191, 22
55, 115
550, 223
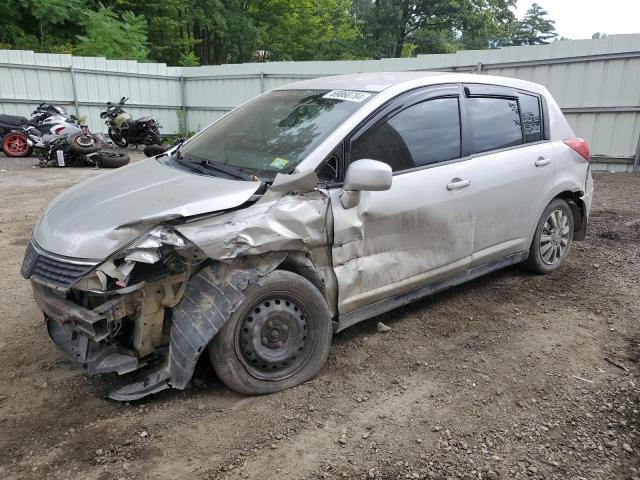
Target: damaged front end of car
153, 306
111, 316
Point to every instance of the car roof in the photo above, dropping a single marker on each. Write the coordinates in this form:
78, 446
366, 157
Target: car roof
379, 81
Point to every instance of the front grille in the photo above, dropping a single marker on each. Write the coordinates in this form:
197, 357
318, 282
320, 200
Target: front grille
50, 270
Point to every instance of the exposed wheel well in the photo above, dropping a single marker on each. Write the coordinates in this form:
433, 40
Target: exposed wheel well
294, 265
578, 209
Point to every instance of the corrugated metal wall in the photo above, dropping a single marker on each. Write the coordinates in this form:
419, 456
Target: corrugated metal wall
594, 81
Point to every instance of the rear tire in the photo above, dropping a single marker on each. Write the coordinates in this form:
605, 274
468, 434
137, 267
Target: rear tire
279, 337
106, 159
552, 239
151, 138
15, 144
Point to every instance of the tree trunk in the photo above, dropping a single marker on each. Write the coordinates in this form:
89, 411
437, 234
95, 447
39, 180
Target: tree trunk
402, 30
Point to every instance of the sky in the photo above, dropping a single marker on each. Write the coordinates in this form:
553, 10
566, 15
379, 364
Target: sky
577, 19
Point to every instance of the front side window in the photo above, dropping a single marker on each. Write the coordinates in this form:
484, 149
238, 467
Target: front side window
495, 123
273, 133
423, 134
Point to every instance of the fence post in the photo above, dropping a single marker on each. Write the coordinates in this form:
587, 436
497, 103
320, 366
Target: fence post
75, 89
636, 160
261, 82
183, 89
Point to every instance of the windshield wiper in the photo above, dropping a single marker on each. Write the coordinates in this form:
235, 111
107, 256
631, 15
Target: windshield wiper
230, 170
208, 166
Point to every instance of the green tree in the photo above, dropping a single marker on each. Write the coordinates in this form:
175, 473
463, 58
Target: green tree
51, 15
433, 25
535, 28
113, 36
304, 30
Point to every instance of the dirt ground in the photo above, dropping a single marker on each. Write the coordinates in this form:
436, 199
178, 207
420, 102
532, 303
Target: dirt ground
502, 378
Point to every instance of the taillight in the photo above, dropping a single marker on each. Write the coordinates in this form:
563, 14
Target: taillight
579, 145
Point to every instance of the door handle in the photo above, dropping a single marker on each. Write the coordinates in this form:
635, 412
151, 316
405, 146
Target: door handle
456, 183
541, 161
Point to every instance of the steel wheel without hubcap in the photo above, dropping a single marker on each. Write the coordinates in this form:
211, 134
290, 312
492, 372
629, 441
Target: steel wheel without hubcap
555, 237
278, 337
272, 339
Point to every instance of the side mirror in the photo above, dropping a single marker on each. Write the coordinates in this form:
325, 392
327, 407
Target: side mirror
364, 175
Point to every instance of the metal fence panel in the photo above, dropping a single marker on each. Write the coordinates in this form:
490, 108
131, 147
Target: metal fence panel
594, 81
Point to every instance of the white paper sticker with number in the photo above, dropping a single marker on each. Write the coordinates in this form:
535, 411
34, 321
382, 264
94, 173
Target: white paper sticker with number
348, 95
60, 155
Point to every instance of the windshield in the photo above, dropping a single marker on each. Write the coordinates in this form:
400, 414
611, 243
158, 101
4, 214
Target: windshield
275, 132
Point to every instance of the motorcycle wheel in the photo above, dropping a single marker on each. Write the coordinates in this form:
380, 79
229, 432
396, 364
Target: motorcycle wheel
151, 138
107, 159
117, 139
153, 150
81, 143
15, 144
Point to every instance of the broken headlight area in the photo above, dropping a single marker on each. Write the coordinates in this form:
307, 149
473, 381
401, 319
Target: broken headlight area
158, 253
117, 318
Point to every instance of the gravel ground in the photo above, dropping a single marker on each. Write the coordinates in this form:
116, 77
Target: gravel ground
502, 378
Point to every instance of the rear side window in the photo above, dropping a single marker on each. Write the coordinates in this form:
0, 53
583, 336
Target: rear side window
425, 133
495, 123
531, 118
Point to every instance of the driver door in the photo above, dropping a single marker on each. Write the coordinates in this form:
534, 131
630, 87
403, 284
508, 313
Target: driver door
420, 230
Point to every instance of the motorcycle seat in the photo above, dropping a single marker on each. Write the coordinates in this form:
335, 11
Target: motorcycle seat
15, 120
143, 119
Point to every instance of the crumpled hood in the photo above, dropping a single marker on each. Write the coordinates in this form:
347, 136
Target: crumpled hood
82, 221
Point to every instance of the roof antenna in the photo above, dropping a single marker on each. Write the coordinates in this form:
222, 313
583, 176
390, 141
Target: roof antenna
477, 68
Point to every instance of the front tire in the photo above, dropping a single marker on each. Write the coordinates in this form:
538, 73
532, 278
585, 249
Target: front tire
116, 138
83, 144
279, 337
552, 239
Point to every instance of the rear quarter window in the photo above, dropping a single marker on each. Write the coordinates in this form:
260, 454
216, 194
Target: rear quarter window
531, 118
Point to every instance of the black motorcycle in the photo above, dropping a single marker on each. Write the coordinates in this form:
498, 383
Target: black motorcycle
125, 131
79, 149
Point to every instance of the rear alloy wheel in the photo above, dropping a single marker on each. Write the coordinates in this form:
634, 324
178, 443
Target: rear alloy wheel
278, 338
15, 144
552, 240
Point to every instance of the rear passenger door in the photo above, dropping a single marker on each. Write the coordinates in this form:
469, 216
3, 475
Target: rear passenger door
514, 168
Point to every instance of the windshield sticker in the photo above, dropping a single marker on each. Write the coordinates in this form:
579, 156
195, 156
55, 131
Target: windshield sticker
279, 163
348, 95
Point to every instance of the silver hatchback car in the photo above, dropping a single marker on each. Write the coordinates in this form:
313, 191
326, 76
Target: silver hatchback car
308, 209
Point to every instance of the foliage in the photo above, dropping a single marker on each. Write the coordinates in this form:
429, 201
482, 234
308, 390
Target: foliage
204, 32
535, 28
112, 35
182, 125
434, 26
189, 60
